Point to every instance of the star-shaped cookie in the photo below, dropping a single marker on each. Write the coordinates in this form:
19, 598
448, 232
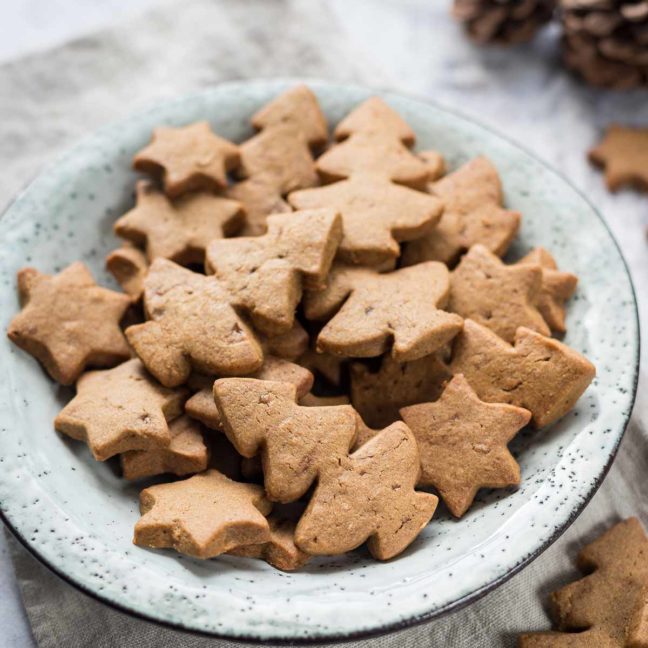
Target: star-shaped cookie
178, 230
203, 516
473, 214
376, 215
373, 312
623, 153
463, 443
538, 373
608, 608
188, 158
191, 326
120, 409
129, 265
499, 296
557, 287
68, 322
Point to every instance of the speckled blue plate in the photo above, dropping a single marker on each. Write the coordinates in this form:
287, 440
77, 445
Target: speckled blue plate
77, 516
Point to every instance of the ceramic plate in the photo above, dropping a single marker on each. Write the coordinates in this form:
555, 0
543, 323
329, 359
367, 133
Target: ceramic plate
77, 516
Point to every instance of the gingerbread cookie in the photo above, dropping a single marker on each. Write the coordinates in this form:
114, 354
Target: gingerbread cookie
323, 364
191, 326
68, 322
188, 158
179, 230
368, 496
473, 214
265, 274
623, 153
378, 396
537, 373
201, 405
120, 409
608, 607
297, 107
557, 287
311, 400
129, 265
499, 296
376, 215
296, 443
280, 551
186, 454
434, 163
203, 516
374, 115
289, 345
397, 310
463, 443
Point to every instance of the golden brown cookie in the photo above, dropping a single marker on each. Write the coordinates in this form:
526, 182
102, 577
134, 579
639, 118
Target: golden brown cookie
376, 153
296, 443
311, 400
537, 373
374, 115
265, 274
463, 443
473, 214
280, 551
120, 409
68, 322
324, 364
201, 405
499, 296
376, 215
203, 516
129, 265
368, 496
186, 454
374, 313
557, 287
434, 163
178, 230
298, 107
260, 198
288, 345
378, 396
188, 158
191, 326
623, 153
609, 606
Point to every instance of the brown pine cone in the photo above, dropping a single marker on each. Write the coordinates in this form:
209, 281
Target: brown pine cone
503, 22
606, 41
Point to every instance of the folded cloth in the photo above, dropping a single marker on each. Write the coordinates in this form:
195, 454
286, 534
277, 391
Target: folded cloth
51, 99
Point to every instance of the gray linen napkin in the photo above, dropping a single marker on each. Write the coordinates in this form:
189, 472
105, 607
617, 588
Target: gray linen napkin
51, 99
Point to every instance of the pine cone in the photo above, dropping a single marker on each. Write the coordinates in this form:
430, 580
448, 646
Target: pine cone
503, 22
606, 41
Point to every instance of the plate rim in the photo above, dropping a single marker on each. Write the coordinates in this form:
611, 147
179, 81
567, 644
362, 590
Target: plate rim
452, 606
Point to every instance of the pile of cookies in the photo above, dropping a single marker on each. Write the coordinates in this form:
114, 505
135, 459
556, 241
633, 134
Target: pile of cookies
313, 330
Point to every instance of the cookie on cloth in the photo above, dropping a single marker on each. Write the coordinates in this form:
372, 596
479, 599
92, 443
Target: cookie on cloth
296, 443
201, 405
178, 230
368, 496
203, 516
191, 327
537, 373
499, 296
623, 153
186, 454
120, 409
188, 158
280, 551
68, 322
372, 313
376, 215
557, 287
379, 395
609, 606
129, 265
473, 214
463, 443
265, 274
